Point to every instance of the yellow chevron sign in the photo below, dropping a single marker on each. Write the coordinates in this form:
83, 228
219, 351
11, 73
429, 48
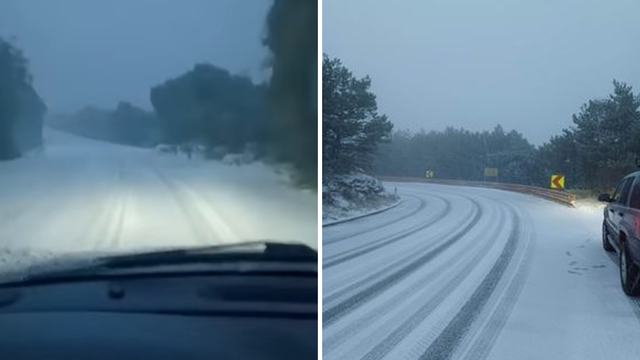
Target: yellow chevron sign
557, 181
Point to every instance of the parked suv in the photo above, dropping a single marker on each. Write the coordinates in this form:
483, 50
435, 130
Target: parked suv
621, 230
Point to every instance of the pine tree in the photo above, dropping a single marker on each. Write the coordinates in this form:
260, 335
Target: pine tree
352, 126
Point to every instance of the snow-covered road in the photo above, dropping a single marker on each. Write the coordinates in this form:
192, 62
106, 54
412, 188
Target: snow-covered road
470, 273
86, 195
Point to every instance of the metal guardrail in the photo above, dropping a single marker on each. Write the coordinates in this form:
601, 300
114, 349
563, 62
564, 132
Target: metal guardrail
558, 196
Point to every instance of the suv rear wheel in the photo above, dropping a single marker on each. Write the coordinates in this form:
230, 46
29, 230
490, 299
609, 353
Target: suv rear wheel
605, 238
628, 273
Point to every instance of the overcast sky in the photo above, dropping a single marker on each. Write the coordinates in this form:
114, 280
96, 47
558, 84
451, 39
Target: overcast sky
99, 52
525, 64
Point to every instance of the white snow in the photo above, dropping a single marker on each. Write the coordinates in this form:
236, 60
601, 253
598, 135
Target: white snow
352, 196
362, 213
85, 195
558, 296
238, 159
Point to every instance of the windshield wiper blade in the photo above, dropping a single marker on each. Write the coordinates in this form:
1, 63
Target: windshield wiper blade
250, 251
280, 258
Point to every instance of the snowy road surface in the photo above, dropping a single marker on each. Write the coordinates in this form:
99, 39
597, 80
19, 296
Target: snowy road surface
470, 273
86, 195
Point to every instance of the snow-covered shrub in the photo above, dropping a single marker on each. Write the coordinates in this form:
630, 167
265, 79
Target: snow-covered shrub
166, 148
354, 188
238, 159
346, 195
216, 152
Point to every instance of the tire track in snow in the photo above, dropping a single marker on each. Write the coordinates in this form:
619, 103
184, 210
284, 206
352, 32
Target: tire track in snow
118, 224
422, 204
400, 262
391, 264
119, 215
398, 334
106, 228
450, 338
369, 247
209, 212
99, 230
506, 301
198, 224
381, 349
382, 280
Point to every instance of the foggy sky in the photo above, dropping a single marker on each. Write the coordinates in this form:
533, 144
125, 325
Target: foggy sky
100, 52
525, 64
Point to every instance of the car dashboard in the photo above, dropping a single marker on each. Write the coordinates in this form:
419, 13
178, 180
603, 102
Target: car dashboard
168, 316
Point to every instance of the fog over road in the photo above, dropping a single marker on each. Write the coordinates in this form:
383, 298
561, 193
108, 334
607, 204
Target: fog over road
470, 273
85, 195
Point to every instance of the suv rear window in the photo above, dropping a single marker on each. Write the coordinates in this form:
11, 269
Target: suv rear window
635, 196
622, 192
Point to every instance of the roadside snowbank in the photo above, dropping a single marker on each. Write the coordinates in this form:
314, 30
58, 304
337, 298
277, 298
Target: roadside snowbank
353, 196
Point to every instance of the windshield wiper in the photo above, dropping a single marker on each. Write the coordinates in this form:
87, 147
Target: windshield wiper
261, 257
250, 251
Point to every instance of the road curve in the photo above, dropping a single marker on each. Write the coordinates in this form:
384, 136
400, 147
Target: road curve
466, 273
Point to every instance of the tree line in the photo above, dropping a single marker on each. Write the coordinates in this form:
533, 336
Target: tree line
127, 124
211, 106
277, 119
292, 93
598, 149
225, 112
206, 105
460, 154
602, 144
21, 108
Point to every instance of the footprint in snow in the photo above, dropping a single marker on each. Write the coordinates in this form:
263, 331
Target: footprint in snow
580, 247
574, 272
568, 253
580, 269
599, 266
573, 263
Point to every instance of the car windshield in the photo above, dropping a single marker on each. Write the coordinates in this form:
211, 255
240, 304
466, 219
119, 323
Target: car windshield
132, 126
465, 147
